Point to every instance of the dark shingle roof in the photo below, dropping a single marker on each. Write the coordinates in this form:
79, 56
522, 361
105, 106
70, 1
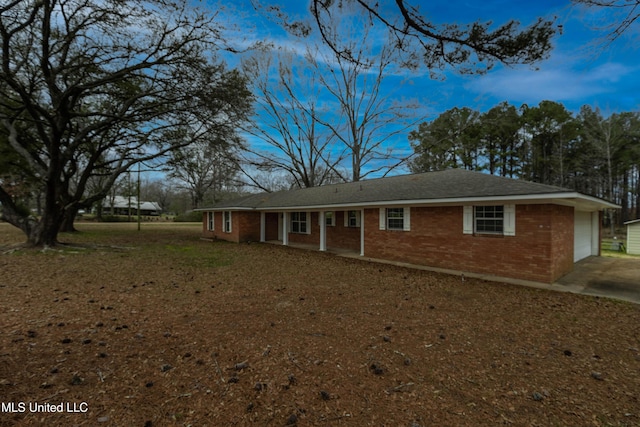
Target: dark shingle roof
442, 185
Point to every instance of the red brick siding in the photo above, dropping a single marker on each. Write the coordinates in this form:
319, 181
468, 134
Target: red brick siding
563, 229
245, 226
271, 225
436, 239
217, 221
541, 250
342, 237
338, 236
248, 224
312, 238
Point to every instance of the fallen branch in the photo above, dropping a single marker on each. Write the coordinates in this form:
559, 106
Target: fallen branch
215, 361
399, 388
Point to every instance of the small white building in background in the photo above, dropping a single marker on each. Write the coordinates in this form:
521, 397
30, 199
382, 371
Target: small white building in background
120, 205
633, 237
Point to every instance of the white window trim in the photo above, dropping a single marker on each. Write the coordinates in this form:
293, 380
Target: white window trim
346, 219
328, 214
477, 218
508, 221
227, 221
406, 219
307, 222
211, 223
467, 220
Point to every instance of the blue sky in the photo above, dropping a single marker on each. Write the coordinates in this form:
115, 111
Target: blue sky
581, 69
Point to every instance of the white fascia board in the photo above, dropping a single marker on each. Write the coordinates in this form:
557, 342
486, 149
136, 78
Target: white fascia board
588, 203
574, 199
569, 199
230, 208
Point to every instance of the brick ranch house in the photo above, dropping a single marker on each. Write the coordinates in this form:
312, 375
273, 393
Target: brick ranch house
452, 219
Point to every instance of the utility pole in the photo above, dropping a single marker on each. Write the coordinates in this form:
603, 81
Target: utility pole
138, 196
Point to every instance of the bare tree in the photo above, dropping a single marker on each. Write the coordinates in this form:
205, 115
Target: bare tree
270, 181
367, 120
205, 167
95, 86
371, 41
289, 102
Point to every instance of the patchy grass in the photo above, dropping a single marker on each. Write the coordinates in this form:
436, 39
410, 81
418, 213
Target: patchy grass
196, 257
608, 251
617, 254
159, 328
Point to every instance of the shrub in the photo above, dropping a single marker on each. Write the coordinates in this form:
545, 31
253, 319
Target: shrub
115, 218
189, 217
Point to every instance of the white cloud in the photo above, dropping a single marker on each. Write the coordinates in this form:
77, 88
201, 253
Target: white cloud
561, 83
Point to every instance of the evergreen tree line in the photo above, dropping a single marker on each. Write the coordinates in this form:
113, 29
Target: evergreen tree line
586, 152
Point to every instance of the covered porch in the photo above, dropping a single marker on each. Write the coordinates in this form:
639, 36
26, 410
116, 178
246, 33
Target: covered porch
335, 231
349, 253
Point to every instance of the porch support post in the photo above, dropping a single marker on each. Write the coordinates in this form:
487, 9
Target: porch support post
262, 227
285, 228
323, 231
362, 232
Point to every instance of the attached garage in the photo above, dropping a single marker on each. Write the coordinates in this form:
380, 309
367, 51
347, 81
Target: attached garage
586, 234
633, 237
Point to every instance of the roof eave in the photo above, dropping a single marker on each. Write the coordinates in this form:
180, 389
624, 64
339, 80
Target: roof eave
570, 199
226, 208
574, 199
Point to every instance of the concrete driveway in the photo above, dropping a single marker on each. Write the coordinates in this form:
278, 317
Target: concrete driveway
617, 278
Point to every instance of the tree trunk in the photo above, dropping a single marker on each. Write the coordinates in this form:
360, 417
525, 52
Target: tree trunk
624, 214
13, 217
45, 231
68, 219
636, 203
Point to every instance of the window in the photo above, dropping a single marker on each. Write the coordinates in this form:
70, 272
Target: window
489, 219
329, 219
226, 222
352, 219
299, 222
210, 221
395, 219
499, 219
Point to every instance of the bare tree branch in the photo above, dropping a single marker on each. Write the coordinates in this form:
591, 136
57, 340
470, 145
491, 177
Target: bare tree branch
469, 48
91, 87
288, 107
625, 14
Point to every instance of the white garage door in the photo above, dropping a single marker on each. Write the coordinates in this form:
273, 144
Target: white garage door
582, 235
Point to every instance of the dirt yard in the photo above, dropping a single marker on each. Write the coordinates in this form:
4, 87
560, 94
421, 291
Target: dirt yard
160, 328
